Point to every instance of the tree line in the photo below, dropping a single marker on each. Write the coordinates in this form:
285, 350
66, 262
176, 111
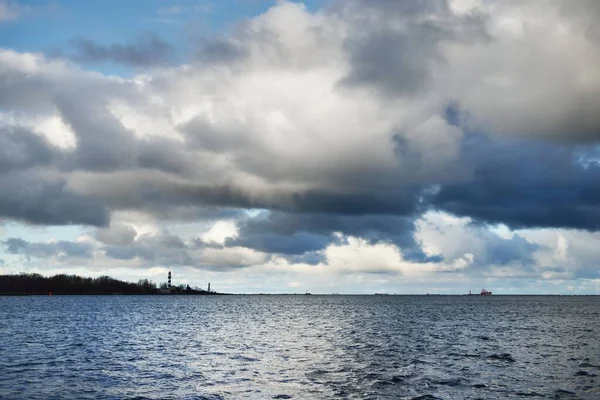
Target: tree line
71, 284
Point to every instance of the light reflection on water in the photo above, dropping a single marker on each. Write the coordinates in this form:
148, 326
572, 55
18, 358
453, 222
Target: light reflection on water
222, 347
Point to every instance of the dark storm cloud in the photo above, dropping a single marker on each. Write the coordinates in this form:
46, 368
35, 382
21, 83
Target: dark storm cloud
310, 258
34, 199
395, 201
326, 224
63, 249
195, 213
304, 234
145, 50
524, 184
29, 192
22, 149
386, 201
294, 244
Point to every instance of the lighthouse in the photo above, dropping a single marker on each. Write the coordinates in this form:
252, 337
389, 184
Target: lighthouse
169, 281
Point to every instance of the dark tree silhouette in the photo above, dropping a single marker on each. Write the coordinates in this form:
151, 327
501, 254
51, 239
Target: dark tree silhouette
71, 284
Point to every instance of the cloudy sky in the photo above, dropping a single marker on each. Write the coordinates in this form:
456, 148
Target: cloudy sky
346, 146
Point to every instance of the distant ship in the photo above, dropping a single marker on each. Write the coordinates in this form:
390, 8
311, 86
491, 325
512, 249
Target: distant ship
485, 292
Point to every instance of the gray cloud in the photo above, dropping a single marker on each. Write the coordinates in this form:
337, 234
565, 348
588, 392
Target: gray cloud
31, 197
103, 143
585, 16
162, 249
22, 149
62, 249
524, 184
394, 62
171, 250
395, 45
394, 202
320, 156
146, 50
501, 251
306, 234
117, 235
294, 244
221, 50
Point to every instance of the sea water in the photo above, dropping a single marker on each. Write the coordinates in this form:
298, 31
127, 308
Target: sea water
301, 347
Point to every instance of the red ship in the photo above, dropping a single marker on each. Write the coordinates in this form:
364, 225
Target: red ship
485, 292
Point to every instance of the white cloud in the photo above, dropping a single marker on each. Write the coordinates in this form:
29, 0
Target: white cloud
220, 231
358, 256
281, 121
232, 257
257, 121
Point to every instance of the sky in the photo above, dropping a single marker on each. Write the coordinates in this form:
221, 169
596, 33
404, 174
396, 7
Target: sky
340, 146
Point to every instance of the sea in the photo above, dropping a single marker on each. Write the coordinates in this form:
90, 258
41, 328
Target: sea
300, 347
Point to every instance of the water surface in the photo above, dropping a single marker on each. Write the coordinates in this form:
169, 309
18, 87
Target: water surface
301, 347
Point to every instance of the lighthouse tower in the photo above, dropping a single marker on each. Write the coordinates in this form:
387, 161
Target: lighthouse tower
169, 281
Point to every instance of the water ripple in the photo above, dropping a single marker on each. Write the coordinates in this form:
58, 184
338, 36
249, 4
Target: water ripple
299, 347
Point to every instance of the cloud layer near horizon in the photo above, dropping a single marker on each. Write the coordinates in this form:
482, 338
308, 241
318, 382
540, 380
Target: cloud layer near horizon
358, 131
